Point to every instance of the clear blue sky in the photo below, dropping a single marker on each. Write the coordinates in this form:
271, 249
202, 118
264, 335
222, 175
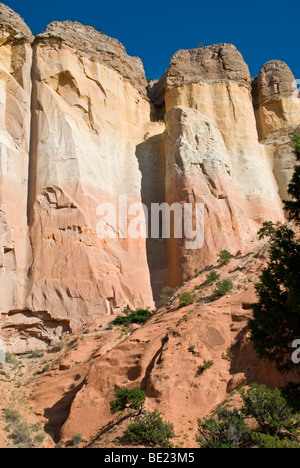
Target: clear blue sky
153, 30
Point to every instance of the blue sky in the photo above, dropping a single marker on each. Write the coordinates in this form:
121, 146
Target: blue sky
154, 30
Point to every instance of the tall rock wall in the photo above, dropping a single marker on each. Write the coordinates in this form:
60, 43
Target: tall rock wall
15, 95
79, 127
88, 120
214, 152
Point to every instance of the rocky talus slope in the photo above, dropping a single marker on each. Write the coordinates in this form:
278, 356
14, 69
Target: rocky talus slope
80, 126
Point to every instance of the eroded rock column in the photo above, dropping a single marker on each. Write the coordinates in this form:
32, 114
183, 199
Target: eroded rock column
90, 113
15, 95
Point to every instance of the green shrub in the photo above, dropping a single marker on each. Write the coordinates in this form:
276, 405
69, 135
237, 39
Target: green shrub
138, 316
57, 347
37, 354
275, 422
276, 425
269, 408
76, 440
128, 398
291, 392
11, 416
21, 434
151, 429
11, 359
207, 365
185, 299
228, 430
39, 439
223, 287
212, 277
267, 441
224, 257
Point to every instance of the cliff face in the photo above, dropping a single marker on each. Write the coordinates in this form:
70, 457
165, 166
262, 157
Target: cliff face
87, 122
79, 127
15, 119
215, 154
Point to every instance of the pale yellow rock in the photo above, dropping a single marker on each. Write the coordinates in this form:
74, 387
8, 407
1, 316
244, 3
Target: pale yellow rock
15, 94
89, 122
229, 106
278, 98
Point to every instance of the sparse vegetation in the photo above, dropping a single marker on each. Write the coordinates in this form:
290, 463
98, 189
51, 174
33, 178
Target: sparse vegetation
11, 359
11, 416
229, 354
21, 433
59, 346
37, 354
152, 430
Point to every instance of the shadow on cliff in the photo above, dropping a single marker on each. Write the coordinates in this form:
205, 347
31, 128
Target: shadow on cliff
59, 413
151, 159
245, 362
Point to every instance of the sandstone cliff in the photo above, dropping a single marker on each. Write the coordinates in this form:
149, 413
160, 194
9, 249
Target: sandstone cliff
15, 121
79, 127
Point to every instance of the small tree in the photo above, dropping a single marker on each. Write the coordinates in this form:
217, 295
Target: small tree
212, 277
151, 429
276, 316
269, 408
128, 398
228, 430
224, 257
223, 287
185, 299
265, 420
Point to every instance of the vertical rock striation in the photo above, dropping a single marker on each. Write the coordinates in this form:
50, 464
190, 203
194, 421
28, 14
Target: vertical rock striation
89, 115
213, 152
15, 91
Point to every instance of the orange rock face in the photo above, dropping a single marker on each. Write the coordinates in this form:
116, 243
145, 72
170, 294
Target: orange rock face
165, 358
